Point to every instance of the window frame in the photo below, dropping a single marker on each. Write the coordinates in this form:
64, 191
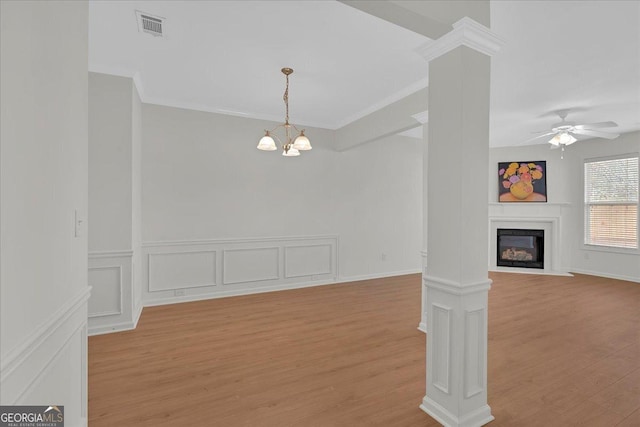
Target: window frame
586, 205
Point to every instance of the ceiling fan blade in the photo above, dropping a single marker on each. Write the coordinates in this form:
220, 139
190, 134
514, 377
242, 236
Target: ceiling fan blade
596, 125
596, 134
539, 136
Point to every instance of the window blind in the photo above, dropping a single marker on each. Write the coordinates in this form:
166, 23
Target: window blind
611, 202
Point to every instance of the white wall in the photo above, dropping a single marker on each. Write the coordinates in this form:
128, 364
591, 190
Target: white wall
616, 263
379, 207
115, 192
44, 291
203, 178
136, 195
110, 160
565, 187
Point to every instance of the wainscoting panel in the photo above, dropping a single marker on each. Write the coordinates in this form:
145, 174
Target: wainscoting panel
111, 305
307, 260
179, 271
442, 340
182, 270
251, 265
106, 298
474, 352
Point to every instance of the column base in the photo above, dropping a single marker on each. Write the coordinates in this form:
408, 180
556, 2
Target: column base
479, 417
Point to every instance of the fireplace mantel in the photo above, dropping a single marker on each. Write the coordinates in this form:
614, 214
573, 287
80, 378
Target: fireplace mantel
537, 216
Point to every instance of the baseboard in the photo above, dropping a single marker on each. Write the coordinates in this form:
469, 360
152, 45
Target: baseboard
275, 288
236, 293
117, 327
344, 279
136, 314
112, 328
530, 271
477, 418
607, 275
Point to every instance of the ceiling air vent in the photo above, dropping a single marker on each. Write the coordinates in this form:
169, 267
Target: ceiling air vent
150, 24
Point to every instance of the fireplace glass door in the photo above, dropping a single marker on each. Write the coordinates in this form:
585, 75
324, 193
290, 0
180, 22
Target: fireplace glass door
520, 248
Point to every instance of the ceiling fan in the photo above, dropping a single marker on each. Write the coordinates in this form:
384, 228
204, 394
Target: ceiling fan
564, 132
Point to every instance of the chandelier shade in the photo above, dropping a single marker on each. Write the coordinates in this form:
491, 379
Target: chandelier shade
291, 147
291, 152
302, 142
267, 143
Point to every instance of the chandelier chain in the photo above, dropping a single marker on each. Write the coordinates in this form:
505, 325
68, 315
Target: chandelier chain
286, 101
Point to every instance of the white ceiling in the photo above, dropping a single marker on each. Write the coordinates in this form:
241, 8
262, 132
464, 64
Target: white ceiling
579, 55
225, 56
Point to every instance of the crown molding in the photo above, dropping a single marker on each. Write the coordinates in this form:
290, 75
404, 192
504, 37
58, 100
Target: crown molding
466, 32
145, 98
247, 115
394, 97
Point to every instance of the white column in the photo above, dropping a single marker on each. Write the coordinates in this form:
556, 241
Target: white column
423, 118
456, 280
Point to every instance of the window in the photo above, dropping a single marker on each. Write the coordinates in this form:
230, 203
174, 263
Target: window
611, 202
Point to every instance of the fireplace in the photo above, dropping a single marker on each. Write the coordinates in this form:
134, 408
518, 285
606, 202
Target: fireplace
520, 248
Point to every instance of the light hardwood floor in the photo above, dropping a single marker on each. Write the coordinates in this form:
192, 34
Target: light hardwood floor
562, 351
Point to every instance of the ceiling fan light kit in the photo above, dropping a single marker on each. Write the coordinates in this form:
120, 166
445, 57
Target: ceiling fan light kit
290, 147
562, 138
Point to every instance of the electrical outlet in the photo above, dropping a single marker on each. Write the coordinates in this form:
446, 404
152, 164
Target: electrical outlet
179, 292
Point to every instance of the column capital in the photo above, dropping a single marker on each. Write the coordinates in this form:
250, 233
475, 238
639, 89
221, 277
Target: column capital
466, 32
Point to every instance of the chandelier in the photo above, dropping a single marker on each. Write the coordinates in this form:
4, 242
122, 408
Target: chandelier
290, 147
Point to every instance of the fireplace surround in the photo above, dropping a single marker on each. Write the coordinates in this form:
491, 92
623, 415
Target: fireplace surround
550, 217
521, 248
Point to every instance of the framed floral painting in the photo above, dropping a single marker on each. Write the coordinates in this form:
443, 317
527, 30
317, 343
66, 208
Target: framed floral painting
522, 181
